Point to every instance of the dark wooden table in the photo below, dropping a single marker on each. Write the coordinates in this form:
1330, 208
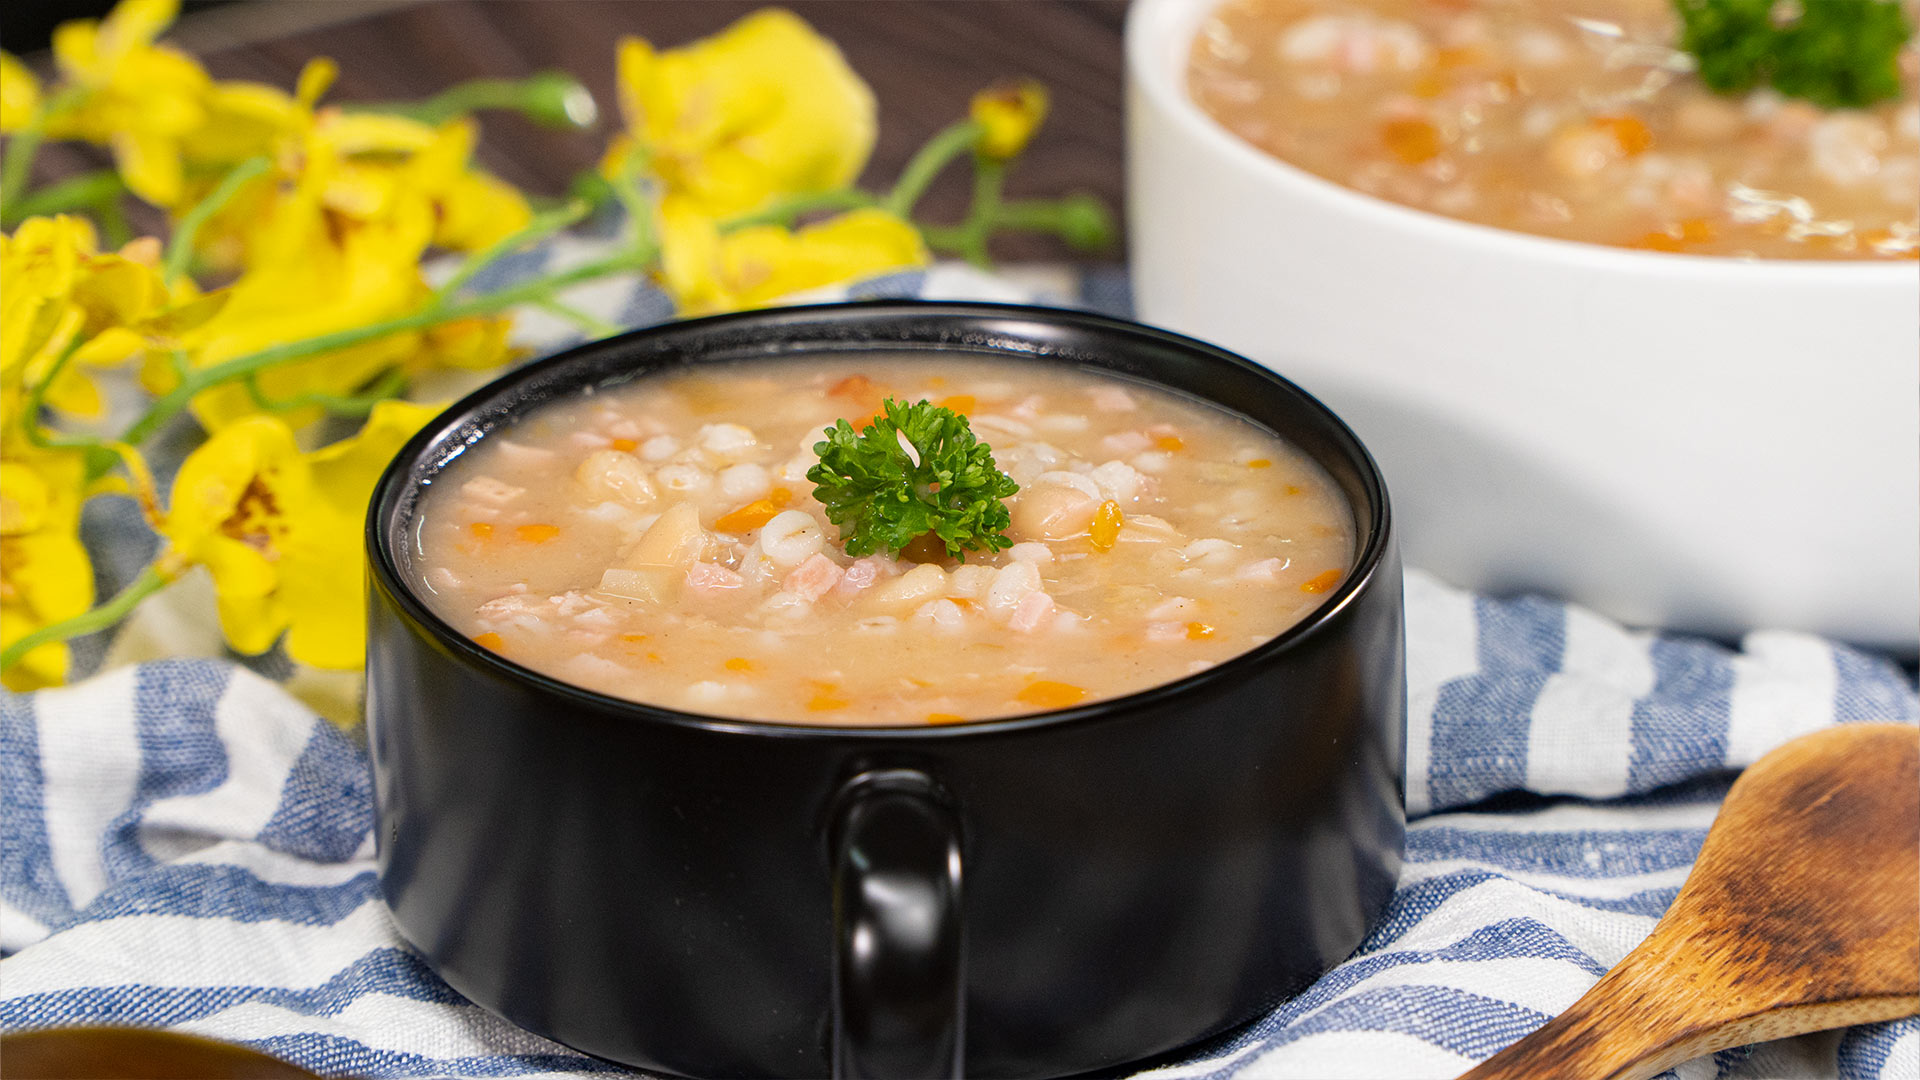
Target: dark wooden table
924, 58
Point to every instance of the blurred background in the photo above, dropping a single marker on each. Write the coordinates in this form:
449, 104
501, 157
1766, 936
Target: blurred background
924, 60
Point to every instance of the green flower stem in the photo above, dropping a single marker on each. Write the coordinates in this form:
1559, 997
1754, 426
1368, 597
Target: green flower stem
592, 324
970, 237
540, 227
150, 581
786, 211
956, 139
385, 388
175, 401
553, 99
22, 148
180, 245
88, 191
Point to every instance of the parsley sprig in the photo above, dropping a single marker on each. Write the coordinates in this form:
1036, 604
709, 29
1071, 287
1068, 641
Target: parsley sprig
1834, 53
885, 496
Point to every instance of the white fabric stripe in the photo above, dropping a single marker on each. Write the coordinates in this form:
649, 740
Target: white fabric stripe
276, 868
1443, 643
1604, 888
384, 1022
1604, 935
264, 732
1580, 741
179, 950
1783, 687
90, 759
1358, 1055
18, 929
1577, 818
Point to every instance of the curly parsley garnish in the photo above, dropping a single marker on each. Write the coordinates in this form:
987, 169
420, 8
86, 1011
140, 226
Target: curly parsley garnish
916, 469
1834, 53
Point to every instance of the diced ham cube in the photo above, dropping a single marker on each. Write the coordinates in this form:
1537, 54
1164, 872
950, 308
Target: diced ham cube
1032, 611
814, 578
708, 580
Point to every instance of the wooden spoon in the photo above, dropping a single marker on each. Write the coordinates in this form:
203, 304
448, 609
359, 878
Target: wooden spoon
1801, 914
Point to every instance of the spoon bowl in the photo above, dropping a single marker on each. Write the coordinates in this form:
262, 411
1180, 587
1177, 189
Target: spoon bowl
1802, 913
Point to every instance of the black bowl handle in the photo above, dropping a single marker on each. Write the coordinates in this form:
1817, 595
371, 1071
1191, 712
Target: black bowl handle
899, 980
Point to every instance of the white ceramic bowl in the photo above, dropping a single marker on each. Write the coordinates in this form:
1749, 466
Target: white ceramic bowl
1700, 443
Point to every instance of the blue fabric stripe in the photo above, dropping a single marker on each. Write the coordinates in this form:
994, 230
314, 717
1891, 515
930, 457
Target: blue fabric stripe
1866, 1052
1465, 1023
216, 891
386, 971
1868, 689
1681, 728
326, 806
645, 306
27, 877
1481, 721
180, 749
332, 1055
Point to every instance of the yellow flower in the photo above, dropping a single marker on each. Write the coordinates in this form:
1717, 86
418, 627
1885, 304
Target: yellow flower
19, 94
44, 573
57, 293
313, 269
280, 529
706, 271
1008, 114
132, 95
765, 108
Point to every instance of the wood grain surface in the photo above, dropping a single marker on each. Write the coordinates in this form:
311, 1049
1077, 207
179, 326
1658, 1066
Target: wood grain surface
924, 58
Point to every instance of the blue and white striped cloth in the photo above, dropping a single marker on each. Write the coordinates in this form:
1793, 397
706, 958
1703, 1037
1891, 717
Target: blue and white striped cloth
187, 846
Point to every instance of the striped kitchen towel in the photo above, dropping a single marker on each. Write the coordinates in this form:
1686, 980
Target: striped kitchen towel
186, 846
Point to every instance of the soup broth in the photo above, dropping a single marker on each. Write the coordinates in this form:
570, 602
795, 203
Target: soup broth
1565, 118
659, 541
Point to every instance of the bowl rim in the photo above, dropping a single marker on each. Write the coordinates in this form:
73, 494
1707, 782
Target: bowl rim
1371, 561
1159, 34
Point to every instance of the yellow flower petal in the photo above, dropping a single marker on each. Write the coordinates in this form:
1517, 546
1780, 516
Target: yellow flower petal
1008, 114
705, 271
19, 94
44, 573
766, 107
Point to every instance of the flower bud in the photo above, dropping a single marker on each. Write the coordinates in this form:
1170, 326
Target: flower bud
1008, 114
556, 99
1085, 223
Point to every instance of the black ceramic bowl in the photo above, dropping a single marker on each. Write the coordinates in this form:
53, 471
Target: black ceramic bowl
1034, 896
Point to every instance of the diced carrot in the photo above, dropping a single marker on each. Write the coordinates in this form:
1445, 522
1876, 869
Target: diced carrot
858, 387
1412, 141
823, 699
489, 640
751, 516
960, 403
1198, 631
1259, 463
738, 663
634, 639
1047, 694
944, 718
654, 657
481, 530
1429, 86
936, 381
1106, 525
1697, 230
538, 533
1169, 443
780, 496
1658, 241
1628, 132
1453, 56
1290, 489
1321, 582
625, 446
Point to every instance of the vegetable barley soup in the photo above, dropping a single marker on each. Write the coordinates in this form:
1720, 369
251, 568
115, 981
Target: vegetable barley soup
1569, 118
661, 541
